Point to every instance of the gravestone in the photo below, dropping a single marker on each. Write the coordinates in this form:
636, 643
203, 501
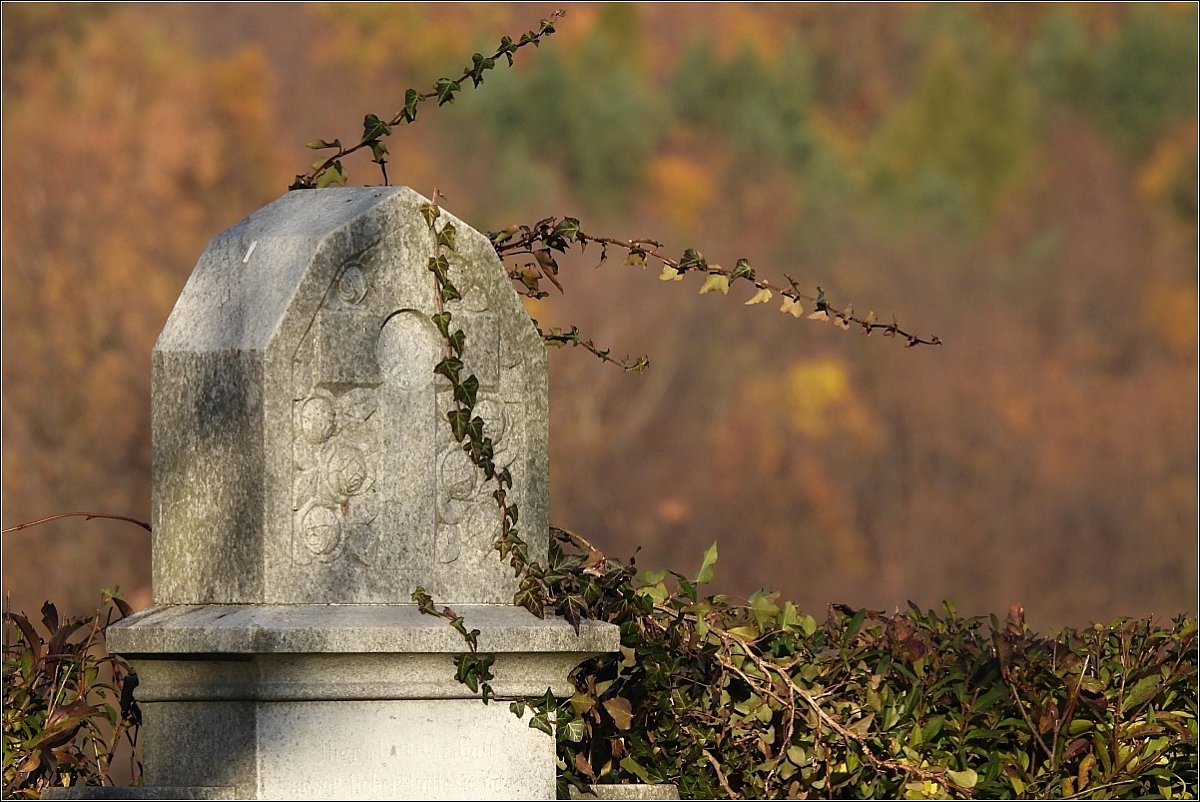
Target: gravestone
305, 482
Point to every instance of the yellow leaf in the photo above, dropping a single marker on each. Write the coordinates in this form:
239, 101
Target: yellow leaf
792, 307
670, 274
841, 322
820, 314
965, 778
715, 283
760, 297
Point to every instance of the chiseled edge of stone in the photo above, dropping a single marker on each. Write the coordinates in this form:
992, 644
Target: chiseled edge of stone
341, 628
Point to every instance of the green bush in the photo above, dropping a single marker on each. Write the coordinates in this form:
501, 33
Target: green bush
64, 715
755, 699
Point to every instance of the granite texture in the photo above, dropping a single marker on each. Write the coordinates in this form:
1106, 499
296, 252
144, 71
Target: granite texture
139, 792
393, 749
247, 629
301, 450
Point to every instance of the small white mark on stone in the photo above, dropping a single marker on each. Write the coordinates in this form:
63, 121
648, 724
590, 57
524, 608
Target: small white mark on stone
250, 250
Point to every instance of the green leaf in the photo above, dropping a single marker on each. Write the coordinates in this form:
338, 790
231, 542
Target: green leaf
447, 237
967, 778
449, 367
458, 423
479, 66
468, 391
743, 270
333, 175
573, 730
430, 212
633, 767
445, 89
373, 128
567, 231
692, 260
442, 321
1143, 691
763, 608
708, 565
411, 98
321, 144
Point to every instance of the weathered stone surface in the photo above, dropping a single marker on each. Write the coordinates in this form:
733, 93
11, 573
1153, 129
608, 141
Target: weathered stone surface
301, 451
140, 792
233, 629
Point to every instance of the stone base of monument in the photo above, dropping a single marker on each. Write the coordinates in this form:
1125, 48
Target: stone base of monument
346, 701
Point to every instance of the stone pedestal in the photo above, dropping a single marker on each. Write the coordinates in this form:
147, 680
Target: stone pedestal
346, 701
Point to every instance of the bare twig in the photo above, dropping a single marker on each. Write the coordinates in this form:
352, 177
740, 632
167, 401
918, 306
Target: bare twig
87, 516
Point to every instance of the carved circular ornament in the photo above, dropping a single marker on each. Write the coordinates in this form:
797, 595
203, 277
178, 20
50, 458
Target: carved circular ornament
318, 420
347, 471
321, 529
352, 284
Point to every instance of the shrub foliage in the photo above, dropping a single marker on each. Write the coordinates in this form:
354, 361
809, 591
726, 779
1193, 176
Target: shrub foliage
64, 712
752, 698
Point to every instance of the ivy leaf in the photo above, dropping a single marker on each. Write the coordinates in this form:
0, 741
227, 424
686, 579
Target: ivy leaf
449, 367
442, 321
820, 314
479, 65
445, 89
708, 565
792, 307
581, 762
761, 297
447, 236
567, 231
506, 49
430, 212
468, 391
715, 283
669, 274
373, 128
458, 423
621, 711
378, 151
692, 260
321, 144
743, 270
335, 174
411, 98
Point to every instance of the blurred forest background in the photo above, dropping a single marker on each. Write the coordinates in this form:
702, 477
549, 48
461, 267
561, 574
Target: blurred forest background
1019, 180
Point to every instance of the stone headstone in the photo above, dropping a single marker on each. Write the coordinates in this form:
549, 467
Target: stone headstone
302, 453
305, 482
